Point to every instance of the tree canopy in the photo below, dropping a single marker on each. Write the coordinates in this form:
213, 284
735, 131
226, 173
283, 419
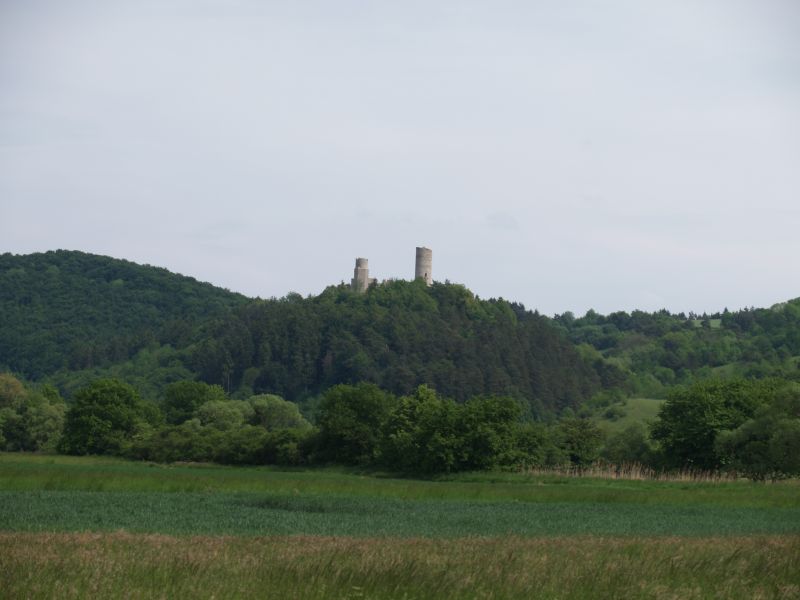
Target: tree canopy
104, 418
71, 317
692, 418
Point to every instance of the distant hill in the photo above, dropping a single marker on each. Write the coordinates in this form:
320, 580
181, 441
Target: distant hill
659, 350
398, 335
73, 310
71, 316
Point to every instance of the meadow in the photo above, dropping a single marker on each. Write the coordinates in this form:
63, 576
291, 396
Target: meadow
123, 565
101, 527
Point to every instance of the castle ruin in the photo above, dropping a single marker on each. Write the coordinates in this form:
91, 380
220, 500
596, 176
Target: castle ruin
422, 270
361, 279
423, 265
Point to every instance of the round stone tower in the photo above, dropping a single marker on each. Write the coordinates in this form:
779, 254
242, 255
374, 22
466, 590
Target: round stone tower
361, 280
423, 265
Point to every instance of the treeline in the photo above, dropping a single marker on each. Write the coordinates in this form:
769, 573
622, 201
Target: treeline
743, 426
358, 425
363, 425
656, 351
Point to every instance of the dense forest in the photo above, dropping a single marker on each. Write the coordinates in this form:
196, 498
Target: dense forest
67, 310
398, 335
103, 356
70, 317
657, 351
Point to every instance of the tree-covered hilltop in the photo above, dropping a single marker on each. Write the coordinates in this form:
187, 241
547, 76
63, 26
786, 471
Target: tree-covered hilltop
659, 350
402, 376
70, 317
71, 310
398, 335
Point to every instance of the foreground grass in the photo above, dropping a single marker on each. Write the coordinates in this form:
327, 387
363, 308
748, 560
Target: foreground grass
123, 565
105, 528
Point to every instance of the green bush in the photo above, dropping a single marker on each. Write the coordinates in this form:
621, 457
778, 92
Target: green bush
692, 417
351, 419
105, 418
31, 419
768, 445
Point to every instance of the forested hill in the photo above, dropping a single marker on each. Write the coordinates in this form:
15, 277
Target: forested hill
659, 350
397, 335
72, 310
69, 317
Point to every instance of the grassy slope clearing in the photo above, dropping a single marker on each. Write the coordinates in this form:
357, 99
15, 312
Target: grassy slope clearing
631, 411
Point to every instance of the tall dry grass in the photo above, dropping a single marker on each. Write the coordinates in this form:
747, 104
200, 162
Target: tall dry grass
634, 472
123, 565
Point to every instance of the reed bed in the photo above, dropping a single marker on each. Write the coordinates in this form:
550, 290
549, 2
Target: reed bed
633, 472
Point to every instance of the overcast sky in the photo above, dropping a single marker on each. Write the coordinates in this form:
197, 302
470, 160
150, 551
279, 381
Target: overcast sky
567, 155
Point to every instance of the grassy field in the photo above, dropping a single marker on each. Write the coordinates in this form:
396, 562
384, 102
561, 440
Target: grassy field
98, 527
248, 513
122, 565
38, 473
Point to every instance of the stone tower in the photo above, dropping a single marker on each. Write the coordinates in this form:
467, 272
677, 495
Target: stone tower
361, 279
422, 268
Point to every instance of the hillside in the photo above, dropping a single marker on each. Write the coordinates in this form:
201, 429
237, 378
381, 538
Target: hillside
659, 350
69, 317
398, 335
71, 310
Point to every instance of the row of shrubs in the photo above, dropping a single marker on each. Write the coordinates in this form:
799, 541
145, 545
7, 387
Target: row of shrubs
355, 425
747, 426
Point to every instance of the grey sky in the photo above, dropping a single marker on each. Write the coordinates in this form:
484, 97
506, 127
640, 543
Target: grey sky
614, 155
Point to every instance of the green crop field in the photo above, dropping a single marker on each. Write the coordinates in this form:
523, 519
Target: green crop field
99, 527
